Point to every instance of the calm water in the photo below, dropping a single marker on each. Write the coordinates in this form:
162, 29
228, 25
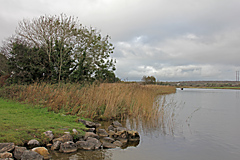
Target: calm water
205, 126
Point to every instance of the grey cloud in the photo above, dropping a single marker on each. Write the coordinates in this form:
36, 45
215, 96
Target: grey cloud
170, 39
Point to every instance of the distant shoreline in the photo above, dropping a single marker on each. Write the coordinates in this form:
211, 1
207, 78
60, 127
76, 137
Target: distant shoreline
208, 84
237, 88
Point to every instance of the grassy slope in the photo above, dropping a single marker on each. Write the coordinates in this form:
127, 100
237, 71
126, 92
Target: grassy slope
20, 123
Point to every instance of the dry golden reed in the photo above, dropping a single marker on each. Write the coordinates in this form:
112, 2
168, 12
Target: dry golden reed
96, 101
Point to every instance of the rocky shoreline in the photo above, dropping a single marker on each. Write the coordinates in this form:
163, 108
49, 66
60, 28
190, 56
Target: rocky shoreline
95, 138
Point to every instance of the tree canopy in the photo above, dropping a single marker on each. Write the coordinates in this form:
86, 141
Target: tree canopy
149, 79
59, 48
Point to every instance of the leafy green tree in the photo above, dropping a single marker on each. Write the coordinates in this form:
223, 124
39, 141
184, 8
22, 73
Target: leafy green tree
66, 49
27, 64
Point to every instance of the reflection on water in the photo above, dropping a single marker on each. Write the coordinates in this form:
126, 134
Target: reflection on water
83, 155
165, 124
194, 124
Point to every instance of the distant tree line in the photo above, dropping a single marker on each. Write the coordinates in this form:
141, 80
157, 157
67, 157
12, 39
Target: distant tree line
57, 48
149, 80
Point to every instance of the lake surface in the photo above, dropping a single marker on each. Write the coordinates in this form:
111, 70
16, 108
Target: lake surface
204, 124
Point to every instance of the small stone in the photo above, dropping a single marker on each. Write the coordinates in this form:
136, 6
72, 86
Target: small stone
118, 143
123, 140
90, 130
97, 125
111, 133
6, 155
65, 138
120, 134
89, 124
75, 131
116, 124
102, 133
49, 145
133, 136
49, 134
120, 129
56, 145
110, 128
33, 143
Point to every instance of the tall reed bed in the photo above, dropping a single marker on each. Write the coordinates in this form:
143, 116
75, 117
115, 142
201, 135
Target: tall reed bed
96, 101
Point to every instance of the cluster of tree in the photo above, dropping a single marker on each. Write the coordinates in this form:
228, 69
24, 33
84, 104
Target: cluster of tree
58, 48
149, 80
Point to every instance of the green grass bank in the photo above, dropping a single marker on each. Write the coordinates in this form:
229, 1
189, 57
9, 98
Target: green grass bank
20, 123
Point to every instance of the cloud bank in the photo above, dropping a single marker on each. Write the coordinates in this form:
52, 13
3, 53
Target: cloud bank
169, 39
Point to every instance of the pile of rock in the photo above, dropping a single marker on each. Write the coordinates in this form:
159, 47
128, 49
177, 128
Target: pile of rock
8, 151
94, 138
115, 136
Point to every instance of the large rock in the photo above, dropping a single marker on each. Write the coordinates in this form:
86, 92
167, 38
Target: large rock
42, 151
18, 151
90, 134
31, 155
96, 142
33, 143
102, 133
89, 124
107, 145
49, 134
107, 139
65, 138
68, 147
84, 145
6, 147
6, 155
90, 144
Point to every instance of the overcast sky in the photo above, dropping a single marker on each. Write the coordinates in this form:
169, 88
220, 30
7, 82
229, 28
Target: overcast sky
173, 40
